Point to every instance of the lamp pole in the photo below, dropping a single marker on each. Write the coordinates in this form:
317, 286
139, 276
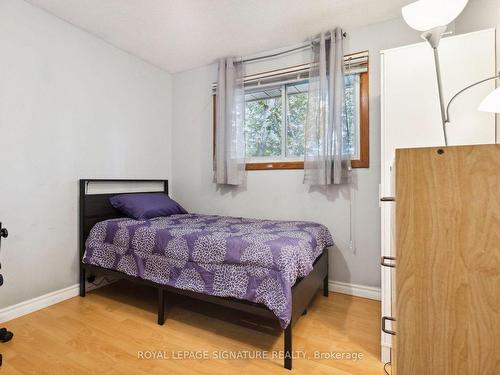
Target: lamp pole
433, 17
433, 37
440, 92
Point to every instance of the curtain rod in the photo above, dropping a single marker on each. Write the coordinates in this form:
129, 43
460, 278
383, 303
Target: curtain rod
282, 52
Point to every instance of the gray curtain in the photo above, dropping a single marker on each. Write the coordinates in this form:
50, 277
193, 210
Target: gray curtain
229, 162
325, 163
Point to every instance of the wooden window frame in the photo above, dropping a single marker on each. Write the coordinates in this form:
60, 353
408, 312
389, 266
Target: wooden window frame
364, 134
364, 122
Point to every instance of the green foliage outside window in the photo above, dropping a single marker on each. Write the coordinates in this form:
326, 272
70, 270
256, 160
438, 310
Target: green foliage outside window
263, 127
297, 113
264, 120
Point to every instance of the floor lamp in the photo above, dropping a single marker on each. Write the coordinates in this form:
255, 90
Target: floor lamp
432, 17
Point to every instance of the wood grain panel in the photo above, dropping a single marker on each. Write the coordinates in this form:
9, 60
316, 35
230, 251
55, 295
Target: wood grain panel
448, 261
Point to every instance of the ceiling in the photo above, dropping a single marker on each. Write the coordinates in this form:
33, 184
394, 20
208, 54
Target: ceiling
178, 35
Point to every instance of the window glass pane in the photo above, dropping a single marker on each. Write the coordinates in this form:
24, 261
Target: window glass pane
351, 115
266, 135
263, 113
296, 118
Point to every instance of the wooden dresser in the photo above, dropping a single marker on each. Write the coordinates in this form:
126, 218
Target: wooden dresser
447, 267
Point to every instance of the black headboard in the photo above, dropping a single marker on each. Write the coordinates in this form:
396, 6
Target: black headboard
96, 207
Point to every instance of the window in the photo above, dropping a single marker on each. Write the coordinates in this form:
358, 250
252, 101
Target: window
352, 115
275, 115
274, 122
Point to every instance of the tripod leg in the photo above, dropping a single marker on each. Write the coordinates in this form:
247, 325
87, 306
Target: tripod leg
5, 335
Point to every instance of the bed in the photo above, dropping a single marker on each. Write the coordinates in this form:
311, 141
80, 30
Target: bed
268, 268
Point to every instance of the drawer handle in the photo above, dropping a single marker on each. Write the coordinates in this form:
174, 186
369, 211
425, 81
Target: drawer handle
388, 331
388, 199
384, 263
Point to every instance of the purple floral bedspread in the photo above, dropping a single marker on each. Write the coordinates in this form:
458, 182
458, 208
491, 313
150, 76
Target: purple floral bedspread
255, 260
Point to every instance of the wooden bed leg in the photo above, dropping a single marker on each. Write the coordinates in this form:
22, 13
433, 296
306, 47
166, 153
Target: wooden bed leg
288, 347
325, 286
161, 306
82, 281
304, 312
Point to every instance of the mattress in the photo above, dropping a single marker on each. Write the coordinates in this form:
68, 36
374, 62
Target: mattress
249, 259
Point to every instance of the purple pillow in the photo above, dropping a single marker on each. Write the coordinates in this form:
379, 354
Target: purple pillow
142, 206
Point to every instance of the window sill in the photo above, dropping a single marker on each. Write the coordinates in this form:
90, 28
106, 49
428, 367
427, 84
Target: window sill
294, 165
274, 165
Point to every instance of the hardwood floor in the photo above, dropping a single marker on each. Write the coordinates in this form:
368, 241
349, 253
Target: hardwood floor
106, 332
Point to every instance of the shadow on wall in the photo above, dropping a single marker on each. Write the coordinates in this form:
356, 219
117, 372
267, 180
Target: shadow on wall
231, 189
333, 192
337, 261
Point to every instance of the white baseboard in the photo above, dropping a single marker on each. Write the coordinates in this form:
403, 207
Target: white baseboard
38, 303
355, 290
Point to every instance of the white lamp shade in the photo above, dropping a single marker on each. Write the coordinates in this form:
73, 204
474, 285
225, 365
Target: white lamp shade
491, 103
424, 15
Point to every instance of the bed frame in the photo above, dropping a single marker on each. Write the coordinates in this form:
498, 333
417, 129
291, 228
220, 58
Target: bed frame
96, 207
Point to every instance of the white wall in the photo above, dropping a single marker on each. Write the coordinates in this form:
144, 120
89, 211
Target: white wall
71, 106
281, 194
